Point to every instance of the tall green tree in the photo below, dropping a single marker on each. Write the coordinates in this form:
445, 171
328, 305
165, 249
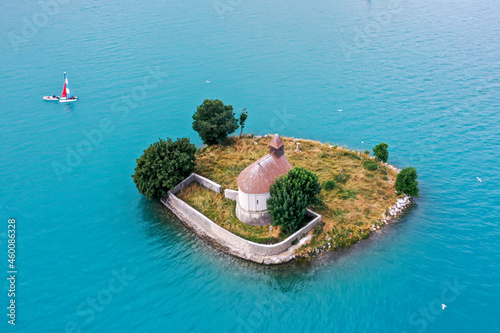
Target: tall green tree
163, 165
243, 118
291, 194
406, 182
380, 151
214, 121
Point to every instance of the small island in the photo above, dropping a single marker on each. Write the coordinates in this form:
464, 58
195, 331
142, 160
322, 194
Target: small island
272, 199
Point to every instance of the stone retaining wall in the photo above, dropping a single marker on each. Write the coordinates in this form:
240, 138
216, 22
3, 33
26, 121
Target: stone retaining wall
206, 228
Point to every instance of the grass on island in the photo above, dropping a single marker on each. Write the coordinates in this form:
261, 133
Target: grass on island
364, 188
222, 211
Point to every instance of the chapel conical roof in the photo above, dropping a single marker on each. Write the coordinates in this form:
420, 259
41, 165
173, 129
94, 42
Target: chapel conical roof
276, 142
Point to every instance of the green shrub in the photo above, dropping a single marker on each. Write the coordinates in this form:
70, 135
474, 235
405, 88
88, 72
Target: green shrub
370, 165
163, 165
330, 185
367, 152
380, 151
406, 182
352, 155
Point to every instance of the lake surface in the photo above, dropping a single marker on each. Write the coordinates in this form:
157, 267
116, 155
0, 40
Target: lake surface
94, 256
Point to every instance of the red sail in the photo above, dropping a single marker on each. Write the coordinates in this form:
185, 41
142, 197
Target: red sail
64, 91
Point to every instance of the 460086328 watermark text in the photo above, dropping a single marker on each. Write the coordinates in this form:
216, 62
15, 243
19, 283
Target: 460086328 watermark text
11, 271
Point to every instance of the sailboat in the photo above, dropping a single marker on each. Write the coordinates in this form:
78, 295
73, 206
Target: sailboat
65, 96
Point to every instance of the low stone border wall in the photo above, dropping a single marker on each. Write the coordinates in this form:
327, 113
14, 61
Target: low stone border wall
211, 185
206, 228
231, 194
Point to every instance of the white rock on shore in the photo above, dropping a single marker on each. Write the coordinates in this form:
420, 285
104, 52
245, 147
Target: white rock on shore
397, 209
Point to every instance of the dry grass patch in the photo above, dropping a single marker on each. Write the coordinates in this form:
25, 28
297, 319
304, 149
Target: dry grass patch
222, 211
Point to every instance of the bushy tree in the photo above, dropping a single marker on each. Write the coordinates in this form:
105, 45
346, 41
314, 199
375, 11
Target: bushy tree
214, 121
291, 194
243, 118
287, 206
163, 165
307, 182
406, 182
380, 151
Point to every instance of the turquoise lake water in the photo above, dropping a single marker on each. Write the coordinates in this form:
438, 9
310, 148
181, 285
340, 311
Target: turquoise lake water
94, 256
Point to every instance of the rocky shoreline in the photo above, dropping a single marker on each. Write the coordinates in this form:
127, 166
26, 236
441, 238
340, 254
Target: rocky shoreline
394, 212
397, 209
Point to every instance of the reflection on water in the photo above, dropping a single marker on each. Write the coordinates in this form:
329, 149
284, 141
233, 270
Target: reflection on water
69, 108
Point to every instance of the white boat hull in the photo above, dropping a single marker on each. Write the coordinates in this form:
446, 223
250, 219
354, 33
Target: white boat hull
66, 100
